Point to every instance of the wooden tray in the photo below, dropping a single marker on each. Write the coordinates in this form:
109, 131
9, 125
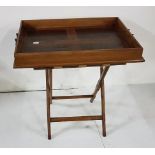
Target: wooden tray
74, 42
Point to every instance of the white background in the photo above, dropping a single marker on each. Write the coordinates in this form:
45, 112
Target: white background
140, 20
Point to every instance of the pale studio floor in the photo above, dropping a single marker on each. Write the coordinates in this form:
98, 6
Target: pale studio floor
129, 111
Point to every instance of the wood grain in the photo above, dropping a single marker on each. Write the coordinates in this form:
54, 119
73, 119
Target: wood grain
76, 118
87, 41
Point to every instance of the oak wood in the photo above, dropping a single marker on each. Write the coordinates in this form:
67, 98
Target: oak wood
44, 24
71, 97
45, 60
103, 103
49, 98
100, 81
76, 118
123, 32
79, 66
66, 43
87, 41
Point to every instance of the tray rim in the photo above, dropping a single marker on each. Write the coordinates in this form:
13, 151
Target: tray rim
21, 54
70, 19
33, 57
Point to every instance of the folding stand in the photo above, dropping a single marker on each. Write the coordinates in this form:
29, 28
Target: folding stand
50, 97
49, 43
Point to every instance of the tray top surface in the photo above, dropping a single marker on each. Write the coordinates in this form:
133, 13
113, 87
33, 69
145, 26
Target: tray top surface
70, 39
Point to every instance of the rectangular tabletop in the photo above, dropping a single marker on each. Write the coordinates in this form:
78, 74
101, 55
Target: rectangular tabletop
71, 39
72, 42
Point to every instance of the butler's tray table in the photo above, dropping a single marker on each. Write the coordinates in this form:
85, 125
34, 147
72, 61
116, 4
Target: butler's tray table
68, 43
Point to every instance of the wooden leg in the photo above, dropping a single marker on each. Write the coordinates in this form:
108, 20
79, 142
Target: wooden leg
103, 105
50, 83
49, 98
98, 85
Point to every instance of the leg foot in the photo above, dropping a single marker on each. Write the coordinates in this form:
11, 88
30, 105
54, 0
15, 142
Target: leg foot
49, 137
104, 130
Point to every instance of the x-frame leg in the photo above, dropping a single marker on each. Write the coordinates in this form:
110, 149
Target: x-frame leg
100, 85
